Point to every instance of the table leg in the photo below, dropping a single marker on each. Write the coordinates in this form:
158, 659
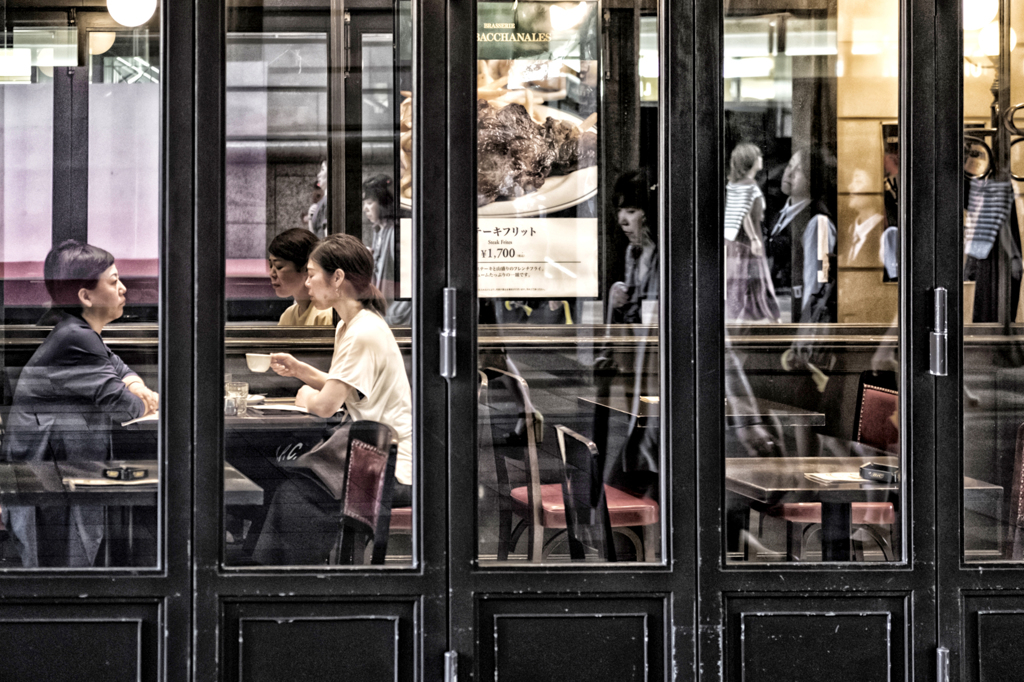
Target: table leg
836, 522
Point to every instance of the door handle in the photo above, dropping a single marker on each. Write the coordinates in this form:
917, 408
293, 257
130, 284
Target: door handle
939, 335
448, 335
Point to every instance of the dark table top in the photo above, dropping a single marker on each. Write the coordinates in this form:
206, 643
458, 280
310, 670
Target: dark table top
649, 407
771, 480
46, 484
781, 479
258, 419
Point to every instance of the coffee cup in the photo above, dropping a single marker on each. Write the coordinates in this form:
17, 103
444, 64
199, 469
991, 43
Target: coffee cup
258, 362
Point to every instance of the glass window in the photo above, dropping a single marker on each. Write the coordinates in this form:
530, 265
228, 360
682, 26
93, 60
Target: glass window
992, 313
79, 465
318, 407
570, 464
810, 232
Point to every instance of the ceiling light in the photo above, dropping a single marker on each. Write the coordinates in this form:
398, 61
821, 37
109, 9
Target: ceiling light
101, 41
977, 13
131, 12
988, 39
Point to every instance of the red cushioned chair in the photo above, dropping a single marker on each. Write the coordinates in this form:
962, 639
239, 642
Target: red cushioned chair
874, 425
541, 507
365, 505
588, 509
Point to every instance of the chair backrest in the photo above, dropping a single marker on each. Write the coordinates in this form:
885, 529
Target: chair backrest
1015, 503
520, 393
583, 492
877, 411
369, 482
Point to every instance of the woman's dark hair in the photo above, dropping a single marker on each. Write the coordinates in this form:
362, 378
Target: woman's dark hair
71, 266
294, 246
380, 188
346, 253
819, 165
742, 159
634, 189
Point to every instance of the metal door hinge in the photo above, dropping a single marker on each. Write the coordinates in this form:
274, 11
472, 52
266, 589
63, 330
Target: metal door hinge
348, 43
942, 664
451, 666
939, 335
448, 335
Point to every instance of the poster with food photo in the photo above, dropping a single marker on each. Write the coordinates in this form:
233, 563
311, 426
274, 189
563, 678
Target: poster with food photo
537, 149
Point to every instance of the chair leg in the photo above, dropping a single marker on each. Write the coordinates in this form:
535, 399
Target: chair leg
506, 540
638, 546
510, 545
553, 541
535, 538
795, 536
651, 542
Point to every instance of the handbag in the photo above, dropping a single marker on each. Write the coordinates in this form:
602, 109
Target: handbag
325, 463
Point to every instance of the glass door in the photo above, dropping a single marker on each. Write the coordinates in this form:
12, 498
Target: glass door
574, 482
321, 421
980, 527
813, 387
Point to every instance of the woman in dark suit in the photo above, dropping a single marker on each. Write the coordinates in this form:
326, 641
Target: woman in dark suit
67, 398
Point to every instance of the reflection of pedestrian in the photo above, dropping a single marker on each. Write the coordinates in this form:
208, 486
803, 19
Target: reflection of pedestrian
801, 245
635, 199
380, 210
318, 212
749, 292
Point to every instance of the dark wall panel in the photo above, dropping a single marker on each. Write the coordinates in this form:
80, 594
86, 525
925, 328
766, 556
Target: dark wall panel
991, 637
356, 641
537, 639
54, 651
602, 646
354, 649
834, 647
999, 645
85, 640
809, 638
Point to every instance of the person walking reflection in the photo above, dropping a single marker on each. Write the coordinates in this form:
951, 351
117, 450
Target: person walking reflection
749, 292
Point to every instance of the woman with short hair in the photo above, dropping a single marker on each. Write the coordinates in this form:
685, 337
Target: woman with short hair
69, 395
286, 257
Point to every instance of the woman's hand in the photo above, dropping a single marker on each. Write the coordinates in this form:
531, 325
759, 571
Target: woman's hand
150, 399
304, 394
618, 295
756, 247
285, 364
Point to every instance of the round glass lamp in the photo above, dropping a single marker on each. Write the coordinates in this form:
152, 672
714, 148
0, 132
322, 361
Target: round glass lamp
978, 13
131, 12
101, 41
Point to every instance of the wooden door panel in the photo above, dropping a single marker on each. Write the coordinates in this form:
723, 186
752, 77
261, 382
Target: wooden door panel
600, 638
356, 640
87, 640
797, 638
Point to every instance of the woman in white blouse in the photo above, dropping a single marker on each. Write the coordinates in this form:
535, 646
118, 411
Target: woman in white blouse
367, 376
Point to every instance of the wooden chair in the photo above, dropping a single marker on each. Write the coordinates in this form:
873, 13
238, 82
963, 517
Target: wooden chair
877, 403
589, 510
365, 505
527, 503
1015, 503
401, 517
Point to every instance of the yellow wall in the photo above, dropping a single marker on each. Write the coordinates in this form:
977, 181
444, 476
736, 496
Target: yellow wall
867, 95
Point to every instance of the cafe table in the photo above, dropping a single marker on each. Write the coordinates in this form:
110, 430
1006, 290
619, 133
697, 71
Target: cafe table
58, 484
254, 443
648, 409
773, 480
